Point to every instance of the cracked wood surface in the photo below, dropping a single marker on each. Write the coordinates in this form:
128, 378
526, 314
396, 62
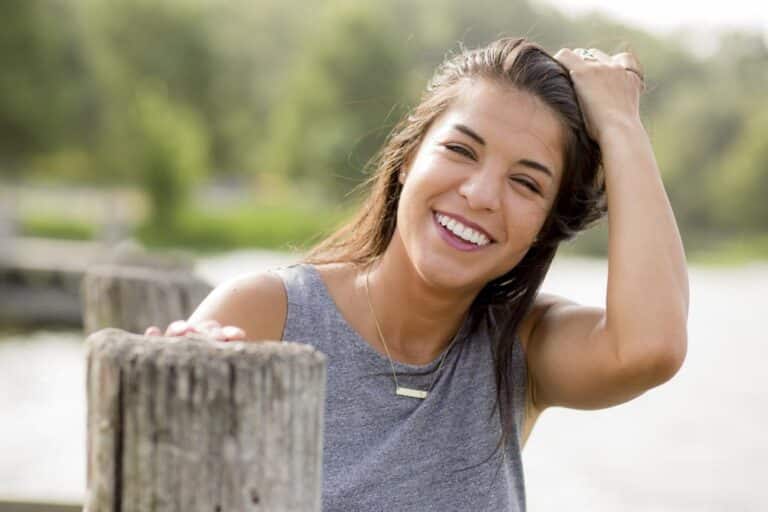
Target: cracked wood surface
197, 424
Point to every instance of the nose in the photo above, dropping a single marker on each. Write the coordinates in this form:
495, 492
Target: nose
481, 189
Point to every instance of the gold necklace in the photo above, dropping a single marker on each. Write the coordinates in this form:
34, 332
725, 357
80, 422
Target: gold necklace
402, 390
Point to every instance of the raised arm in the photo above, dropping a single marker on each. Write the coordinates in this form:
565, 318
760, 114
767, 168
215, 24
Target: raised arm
589, 358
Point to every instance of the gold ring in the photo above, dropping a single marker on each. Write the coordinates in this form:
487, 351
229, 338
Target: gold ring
639, 75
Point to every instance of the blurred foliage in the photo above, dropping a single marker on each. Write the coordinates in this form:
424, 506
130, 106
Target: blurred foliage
172, 157
44, 89
167, 95
273, 226
50, 227
341, 100
742, 185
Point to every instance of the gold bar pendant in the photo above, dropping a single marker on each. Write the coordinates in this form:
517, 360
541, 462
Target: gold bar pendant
413, 393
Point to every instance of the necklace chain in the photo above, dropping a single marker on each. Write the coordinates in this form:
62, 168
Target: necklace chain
408, 392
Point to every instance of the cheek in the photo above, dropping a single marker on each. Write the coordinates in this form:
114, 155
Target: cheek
523, 225
408, 210
420, 186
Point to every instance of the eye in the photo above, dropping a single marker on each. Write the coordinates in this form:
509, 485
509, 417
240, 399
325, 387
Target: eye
528, 184
460, 150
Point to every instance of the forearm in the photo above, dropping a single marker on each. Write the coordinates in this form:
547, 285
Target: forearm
647, 295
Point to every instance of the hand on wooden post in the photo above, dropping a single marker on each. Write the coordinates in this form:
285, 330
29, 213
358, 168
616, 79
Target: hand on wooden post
210, 328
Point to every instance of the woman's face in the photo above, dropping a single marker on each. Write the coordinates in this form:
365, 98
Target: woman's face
493, 163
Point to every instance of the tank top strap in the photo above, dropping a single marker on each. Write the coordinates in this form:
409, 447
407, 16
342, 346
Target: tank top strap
308, 305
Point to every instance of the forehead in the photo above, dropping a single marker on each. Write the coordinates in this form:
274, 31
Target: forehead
508, 118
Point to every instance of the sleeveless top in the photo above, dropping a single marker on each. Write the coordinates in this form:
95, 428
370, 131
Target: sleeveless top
387, 452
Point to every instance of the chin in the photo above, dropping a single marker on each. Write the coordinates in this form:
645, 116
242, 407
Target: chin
450, 275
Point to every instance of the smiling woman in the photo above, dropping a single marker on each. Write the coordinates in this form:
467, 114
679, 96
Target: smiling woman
441, 350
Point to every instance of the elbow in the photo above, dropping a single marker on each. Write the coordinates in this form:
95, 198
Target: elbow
670, 358
671, 343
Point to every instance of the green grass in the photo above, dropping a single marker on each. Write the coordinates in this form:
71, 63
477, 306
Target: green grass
289, 225
51, 227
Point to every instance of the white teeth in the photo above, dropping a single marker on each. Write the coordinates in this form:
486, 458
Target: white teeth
462, 231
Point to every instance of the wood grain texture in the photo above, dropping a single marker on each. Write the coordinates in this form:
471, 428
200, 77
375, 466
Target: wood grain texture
133, 298
195, 424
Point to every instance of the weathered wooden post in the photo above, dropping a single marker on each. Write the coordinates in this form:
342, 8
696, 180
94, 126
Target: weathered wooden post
134, 297
188, 424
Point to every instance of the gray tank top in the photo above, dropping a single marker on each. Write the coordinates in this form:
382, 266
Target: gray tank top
387, 452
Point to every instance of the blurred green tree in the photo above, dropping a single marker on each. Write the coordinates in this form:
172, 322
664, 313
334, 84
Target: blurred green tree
163, 94
45, 102
340, 102
738, 190
173, 154
689, 138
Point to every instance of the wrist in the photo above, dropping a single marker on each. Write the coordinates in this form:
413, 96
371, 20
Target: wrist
620, 128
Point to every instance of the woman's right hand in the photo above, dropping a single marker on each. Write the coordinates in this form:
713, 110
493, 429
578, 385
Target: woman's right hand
210, 328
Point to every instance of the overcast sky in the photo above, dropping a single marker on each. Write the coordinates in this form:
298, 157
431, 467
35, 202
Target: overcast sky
665, 15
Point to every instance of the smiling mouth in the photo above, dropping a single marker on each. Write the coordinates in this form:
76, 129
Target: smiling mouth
458, 234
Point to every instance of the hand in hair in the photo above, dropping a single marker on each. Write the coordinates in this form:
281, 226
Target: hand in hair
608, 87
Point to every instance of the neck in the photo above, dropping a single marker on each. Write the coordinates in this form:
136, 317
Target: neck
417, 321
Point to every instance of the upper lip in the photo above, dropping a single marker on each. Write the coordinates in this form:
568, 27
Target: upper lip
468, 223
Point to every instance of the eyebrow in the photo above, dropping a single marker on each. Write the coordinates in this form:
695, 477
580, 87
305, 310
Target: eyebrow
466, 130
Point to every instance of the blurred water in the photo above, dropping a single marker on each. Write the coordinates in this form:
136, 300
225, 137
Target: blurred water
697, 443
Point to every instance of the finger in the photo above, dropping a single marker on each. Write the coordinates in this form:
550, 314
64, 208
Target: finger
637, 76
570, 59
177, 328
206, 325
628, 60
630, 63
216, 333
232, 333
153, 330
600, 54
591, 55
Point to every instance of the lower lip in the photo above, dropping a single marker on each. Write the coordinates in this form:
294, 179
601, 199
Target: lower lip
454, 241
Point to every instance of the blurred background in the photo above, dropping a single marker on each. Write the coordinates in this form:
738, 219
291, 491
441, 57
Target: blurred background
234, 133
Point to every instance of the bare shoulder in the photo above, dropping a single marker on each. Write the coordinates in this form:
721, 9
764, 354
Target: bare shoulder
255, 302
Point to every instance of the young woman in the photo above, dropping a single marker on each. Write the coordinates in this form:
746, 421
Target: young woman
441, 351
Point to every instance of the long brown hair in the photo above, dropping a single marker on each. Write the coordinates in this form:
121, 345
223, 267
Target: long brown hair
580, 201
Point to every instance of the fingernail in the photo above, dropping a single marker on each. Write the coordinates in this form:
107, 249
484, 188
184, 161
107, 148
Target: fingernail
208, 324
232, 332
177, 327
